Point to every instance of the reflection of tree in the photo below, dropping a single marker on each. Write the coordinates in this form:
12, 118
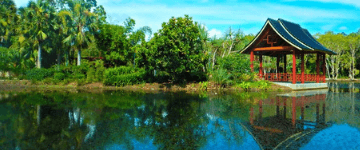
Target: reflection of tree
66, 120
183, 126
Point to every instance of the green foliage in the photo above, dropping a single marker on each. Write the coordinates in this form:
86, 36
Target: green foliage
120, 76
262, 84
90, 75
39, 74
177, 50
118, 42
203, 85
13, 60
100, 69
221, 77
244, 85
59, 76
238, 65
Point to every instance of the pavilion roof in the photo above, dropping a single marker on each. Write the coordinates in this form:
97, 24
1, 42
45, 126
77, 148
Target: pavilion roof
291, 33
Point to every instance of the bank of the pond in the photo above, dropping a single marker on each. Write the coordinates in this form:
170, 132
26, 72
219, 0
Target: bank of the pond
10, 85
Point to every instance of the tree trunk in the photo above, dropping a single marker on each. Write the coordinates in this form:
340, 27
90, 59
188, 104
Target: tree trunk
39, 56
224, 51
353, 66
67, 58
58, 60
327, 69
213, 61
38, 115
333, 67
79, 56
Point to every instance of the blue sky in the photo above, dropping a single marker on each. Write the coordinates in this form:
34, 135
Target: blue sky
317, 16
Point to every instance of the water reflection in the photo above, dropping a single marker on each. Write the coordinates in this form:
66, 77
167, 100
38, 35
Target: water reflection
126, 120
288, 120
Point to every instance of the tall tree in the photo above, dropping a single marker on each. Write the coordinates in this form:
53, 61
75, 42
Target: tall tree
7, 20
336, 43
41, 15
177, 49
83, 24
118, 43
353, 41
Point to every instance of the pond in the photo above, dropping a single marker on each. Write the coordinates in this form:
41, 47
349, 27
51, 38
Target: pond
65, 119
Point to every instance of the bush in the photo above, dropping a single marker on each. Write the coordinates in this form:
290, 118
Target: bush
238, 65
39, 74
90, 75
203, 85
244, 85
221, 77
50, 81
59, 76
263, 85
100, 69
78, 76
120, 76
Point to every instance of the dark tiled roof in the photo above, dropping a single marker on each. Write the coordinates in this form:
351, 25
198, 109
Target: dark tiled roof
293, 34
285, 34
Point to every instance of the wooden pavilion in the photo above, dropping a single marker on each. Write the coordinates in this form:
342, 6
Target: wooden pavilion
279, 38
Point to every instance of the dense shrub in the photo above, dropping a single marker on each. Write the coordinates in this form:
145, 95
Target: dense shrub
238, 65
221, 77
78, 76
39, 74
99, 70
120, 76
59, 76
90, 75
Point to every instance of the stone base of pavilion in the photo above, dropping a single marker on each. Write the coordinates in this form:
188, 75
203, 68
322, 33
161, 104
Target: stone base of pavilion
305, 86
305, 93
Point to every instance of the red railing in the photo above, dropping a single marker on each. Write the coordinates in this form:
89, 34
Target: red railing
288, 77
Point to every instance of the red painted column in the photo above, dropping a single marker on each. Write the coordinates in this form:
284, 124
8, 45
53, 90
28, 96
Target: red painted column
294, 68
251, 61
285, 63
277, 68
302, 69
324, 68
285, 78
260, 68
317, 68
293, 111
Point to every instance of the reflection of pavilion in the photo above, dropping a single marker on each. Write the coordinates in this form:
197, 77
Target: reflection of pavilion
272, 128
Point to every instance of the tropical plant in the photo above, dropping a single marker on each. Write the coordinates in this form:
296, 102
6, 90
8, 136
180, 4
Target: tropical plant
83, 23
40, 17
177, 50
8, 18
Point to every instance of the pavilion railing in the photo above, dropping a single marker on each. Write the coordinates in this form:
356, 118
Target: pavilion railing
288, 77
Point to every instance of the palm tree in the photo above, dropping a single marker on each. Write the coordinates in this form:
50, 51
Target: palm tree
83, 23
7, 18
41, 15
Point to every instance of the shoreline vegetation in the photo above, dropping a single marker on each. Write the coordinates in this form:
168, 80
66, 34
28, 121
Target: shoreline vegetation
18, 85
51, 44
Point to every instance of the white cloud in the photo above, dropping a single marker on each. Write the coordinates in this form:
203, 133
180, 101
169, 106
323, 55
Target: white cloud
154, 15
214, 32
347, 2
328, 27
147, 13
343, 28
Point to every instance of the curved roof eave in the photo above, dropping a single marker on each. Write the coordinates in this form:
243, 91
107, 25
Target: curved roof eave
268, 22
300, 40
256, 37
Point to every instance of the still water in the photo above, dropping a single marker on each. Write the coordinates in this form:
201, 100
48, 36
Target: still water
322, 119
